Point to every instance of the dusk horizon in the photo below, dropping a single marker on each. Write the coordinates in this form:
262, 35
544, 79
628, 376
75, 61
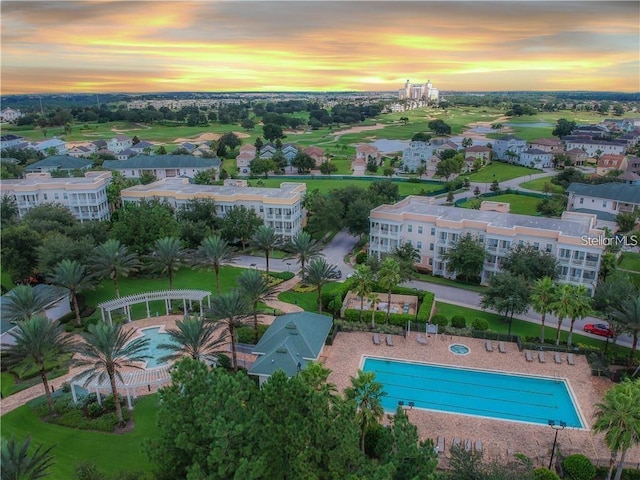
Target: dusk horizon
259, 47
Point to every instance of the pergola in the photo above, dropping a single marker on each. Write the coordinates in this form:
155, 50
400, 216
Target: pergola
129, 382
166, 295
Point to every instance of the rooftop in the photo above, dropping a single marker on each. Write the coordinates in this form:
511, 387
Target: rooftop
61, 162
620, 192
162, 161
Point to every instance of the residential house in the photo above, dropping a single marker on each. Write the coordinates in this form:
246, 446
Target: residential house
267, 151
594, 131
578, 156
631, 139
608, 163
52, 145
245, 157
202, 150
594, 148
280, 208
163, 166
535, 158
417, 154
442, 145
605, 200
125, 154
119, 143
86, 196
10, 115
316, 153
188, 146
142, 148
11, 141
433, 229
478, 152
553, 145
65, 163
82, 151
289, 152
509, 148
290, 343
629, 177
633, 164
366, 151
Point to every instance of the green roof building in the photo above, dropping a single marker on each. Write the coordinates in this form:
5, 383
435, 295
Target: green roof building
163, 166
290, 343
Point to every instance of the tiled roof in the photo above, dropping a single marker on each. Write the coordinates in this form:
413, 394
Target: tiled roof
162, 161
61, 162
619, 192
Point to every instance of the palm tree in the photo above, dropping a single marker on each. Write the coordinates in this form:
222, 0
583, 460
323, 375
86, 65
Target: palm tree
231, 309
194, 337
543, 294
388, 277
23, 302
212, 252
373, 298
72, 275
255, 287
367, 395
362, 281
168, 255
581, 307
18, 464
561, 306
106, 349
267, 240
317, 273
38, 341
628, 314
618, 416
304, 248
112, 259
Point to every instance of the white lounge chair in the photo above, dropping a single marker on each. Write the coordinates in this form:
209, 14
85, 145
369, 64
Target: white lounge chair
489, 346
478, 446
440, 446
556, 357
376, 339
501, 347
570, 359
541, 358
527, 355
390, 340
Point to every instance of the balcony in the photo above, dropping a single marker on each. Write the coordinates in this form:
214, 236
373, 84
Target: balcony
591, 263
577, 261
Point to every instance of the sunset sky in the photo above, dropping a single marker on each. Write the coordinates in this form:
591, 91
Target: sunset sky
152, 46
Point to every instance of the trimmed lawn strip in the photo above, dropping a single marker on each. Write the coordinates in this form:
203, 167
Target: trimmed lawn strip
425, 277
328, 184
307, 301
630, 261
520, 204
110, 452
539, 185
501, 172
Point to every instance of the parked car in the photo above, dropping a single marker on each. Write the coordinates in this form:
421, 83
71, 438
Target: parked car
599, 329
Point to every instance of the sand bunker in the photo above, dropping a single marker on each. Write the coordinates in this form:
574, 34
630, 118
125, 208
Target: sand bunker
377, 126
207, 137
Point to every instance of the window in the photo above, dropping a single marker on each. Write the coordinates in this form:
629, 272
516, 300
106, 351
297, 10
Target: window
65, 196
419, 245
45, 196
433, 231
420, 230
581, 200
261, 209
536, 245
431, 246
604, 204
549, 247
409, 228
56, 196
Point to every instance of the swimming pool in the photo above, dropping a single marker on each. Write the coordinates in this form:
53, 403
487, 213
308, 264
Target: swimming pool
503, 396
156, 337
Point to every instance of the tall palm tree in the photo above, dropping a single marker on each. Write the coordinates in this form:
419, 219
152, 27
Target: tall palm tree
366, 393
562, 306
38, 341
18, 464
389, 276
317, 273
72, 275
23, 302
267, 240
362, 281
618, 416
580, 308
196, 338
304, 248
255, 287
212, 252
112, 259
167, 254
231, 309
628, 314
106, 349
543, 294
373, 298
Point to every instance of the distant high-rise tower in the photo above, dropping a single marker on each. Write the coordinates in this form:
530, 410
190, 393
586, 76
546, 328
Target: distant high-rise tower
419, 92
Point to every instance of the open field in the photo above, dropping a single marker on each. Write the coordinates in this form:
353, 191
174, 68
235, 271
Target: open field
501, 172
328, 184
520, 204
539, 185
73, 446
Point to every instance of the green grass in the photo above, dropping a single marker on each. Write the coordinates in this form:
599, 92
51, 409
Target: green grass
326, 185
7, 385
501, 172
110, 452
520, 204
5, 279
425, 277
539, 185
630, 261
307, 301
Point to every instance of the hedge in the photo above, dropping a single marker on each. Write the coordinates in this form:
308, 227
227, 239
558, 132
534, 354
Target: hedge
282, 275
578, 467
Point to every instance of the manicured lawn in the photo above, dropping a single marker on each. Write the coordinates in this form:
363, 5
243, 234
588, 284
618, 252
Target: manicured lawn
425, 277
501, 172
520, 204
5, 278
539, 185
307, 301
630, 261
328, 184
110, 452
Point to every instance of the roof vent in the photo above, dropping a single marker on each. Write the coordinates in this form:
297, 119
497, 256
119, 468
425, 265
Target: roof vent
281, 350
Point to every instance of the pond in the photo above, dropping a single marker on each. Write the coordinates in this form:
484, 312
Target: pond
390, 146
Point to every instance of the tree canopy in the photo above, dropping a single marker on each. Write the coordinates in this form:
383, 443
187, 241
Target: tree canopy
466, 258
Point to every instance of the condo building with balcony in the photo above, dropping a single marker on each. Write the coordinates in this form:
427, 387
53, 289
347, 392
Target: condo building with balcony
86, 196
280, 208
434, 229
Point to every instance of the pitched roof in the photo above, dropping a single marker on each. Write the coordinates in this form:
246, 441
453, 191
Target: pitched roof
60, 162
290, 343
162, 161
477, 148
508, 138
620, 192
611, 161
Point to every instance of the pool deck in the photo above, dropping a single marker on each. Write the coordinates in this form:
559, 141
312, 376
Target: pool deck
500, 438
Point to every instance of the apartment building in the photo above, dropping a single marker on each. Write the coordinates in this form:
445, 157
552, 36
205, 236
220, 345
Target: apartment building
605, 200
280, 208
86, 196
509, 148
434, 229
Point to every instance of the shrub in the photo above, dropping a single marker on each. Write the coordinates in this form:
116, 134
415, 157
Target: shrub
439, 319
480, 324
424, 312
88, 471
94, 410
361, 257
335, 305
223, 361
578, 467
282, 275
541, 473
302, 288
246, 334
458, 321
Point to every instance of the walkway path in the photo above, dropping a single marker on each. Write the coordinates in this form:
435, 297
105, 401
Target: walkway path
285, 307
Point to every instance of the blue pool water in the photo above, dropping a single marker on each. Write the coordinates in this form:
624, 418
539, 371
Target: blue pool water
480, 393
155, 338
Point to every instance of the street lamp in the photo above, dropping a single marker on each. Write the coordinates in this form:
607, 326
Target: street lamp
557, 427
288, 266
